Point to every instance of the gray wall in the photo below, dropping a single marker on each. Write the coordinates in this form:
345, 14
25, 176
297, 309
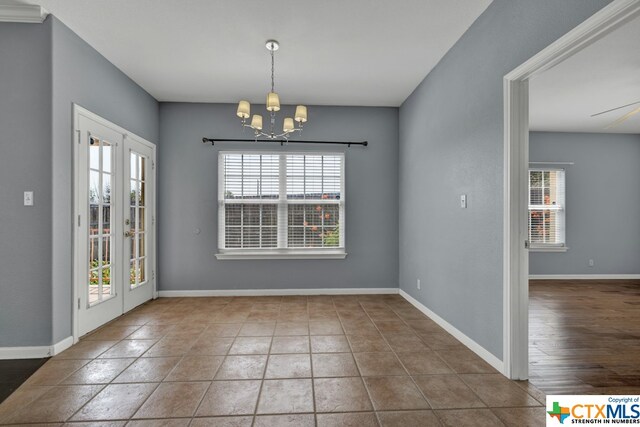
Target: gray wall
25, 165
603, 202
451, 142
45, 68
187, 174
82, 76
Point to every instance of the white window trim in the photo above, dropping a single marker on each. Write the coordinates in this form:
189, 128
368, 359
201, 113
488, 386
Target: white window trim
280, 253
548, 247
302, 253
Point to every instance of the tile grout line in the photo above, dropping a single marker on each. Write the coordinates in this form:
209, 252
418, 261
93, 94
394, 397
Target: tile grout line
114, 378
435, 412
165, 376
319, 317
396, 355
313, 382
373, 408
458, 375
264, 372
195, 411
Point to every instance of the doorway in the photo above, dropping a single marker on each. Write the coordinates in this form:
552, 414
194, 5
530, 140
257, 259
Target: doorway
516, 174
114, 244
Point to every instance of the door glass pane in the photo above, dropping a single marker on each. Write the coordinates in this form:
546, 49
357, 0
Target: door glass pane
94, 220
141, 239
94, 187
106, 219
132, 218
132, 248
106, 156
138, 213
140, 224
94, 255
134, 192
142, 266
94, 286
141, 167
106, 250
107, 286
106, 188
141, 194
100, 250
132, 273
94, 153
134, 166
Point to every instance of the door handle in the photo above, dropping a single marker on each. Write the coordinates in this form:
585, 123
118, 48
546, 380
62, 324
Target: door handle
128, 234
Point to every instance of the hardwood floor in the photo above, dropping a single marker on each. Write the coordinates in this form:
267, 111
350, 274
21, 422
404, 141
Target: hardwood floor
584, 336
15, 372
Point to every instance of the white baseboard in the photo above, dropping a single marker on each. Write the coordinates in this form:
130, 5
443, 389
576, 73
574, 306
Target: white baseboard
35, 352
275, 292
584, 276
471, 344
61, 346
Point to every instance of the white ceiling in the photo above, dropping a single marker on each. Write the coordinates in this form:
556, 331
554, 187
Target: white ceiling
333, 52
603, 76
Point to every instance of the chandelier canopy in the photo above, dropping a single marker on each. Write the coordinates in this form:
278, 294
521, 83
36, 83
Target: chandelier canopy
273, 105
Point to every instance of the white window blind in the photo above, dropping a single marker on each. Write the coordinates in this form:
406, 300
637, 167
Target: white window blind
546, 208
281, 202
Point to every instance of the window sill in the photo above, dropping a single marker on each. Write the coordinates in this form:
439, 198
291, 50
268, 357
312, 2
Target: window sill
298, 254
549, 249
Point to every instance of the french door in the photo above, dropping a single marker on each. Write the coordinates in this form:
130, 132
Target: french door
114, 258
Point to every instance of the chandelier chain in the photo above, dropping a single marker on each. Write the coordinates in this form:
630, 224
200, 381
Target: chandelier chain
272, 72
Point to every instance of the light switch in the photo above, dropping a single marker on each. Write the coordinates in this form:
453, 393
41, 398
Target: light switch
463, 201
28, 198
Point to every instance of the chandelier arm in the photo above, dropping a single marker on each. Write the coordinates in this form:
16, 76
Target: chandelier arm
273, 135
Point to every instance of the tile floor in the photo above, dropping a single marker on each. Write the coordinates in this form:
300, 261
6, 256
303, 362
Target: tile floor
362, 361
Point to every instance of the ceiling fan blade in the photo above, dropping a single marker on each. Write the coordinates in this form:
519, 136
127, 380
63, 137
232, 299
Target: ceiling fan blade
623, 118
614, 109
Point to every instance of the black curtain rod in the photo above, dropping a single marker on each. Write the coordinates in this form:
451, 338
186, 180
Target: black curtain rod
283, 141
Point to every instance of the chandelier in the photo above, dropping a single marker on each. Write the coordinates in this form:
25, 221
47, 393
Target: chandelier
273, 105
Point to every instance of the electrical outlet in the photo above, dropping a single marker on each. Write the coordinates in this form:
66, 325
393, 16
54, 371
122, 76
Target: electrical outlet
463, 201
418, 283
591, 263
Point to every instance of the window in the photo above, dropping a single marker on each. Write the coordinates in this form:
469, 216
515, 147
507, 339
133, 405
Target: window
547, 209
281, 205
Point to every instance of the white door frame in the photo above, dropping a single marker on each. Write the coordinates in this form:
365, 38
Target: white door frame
516, 166
79, 111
